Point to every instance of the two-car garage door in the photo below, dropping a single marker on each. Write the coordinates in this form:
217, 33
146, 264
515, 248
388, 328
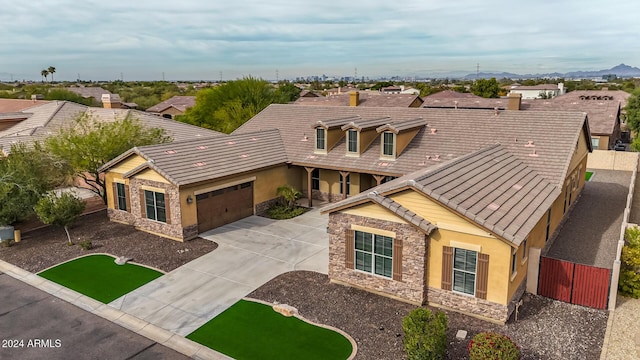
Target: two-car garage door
223, 206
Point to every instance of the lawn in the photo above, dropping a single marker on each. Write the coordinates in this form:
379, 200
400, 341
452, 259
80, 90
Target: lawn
99, 277
250, 330
588, 175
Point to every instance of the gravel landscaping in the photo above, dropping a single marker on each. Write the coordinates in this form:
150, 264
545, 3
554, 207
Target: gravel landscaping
546, 329
46, 247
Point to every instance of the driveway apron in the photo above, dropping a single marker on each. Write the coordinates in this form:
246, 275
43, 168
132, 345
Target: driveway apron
251, 252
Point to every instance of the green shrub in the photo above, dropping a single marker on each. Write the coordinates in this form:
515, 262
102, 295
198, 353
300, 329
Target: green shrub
492, 346
425, 334
86, 245
282, 212
629, 284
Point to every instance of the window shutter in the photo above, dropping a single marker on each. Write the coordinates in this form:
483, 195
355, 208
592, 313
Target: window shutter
397, 259
115, 196
167, 208
349, 249
127, 198
447, 267
143, 205
482, 276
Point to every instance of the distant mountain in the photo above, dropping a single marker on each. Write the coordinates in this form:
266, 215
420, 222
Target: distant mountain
621, 70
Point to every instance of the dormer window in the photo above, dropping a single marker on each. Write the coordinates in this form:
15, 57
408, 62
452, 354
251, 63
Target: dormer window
352, 141
321, 139
388, 144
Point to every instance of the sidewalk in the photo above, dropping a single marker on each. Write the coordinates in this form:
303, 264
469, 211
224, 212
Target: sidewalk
622, 340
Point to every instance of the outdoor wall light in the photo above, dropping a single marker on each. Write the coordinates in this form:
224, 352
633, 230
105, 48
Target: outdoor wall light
189, 200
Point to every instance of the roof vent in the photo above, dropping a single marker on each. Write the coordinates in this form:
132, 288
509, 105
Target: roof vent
231, 142
202, 147
455, 104
534, 154
428, 157
312, 157
517, 186
200, 163
516, 139
383, 164
530, 144
305, 137
170, 152
244, 156
436, 157
495, 110
493, 206
434, 130
254, 139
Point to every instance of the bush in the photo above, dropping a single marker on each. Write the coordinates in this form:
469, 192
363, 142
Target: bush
425, 334
86, 245
629, 284
282, 212
492, 346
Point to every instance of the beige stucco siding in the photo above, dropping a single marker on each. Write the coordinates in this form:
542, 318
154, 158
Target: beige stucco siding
128, 164
375, 211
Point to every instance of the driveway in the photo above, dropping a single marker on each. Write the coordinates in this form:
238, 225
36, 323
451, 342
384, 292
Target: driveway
251, 252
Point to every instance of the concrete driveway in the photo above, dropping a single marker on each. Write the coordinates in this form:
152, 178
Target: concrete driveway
251, 252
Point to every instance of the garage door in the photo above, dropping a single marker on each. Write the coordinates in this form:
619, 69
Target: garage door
223, 206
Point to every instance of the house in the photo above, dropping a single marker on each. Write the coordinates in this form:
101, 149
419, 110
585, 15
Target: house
365, 99
172, 107
541, 91
437, 206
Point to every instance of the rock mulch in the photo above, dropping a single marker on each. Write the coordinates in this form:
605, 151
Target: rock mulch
546, 329
46, 247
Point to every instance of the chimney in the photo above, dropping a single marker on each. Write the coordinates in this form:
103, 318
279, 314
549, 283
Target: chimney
514, 101
561, 89
111, 101
354, 99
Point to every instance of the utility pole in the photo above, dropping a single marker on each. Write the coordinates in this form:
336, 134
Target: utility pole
277, 76
163, 76
121, 77
355, 75
477, 71
220, 76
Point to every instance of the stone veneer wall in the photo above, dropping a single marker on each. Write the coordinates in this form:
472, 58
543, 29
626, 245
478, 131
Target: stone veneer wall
325, 196
412, 288
265, 205
173, 227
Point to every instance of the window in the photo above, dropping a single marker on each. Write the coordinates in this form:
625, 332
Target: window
121, 196
524, 249
548, 224
388, 178
321, 140
374, 253
513, 262
388, 144
315, 179
464, 271
348, 184
595, 142
352, 141
155, 206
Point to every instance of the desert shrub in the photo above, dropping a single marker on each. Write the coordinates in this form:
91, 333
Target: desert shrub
629, 284
282, 212
86, 245
425, 334
492, 346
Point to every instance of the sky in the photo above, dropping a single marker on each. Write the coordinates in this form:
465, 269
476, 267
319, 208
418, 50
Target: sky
284, 39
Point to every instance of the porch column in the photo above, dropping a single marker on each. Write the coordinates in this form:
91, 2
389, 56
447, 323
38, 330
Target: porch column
344, 175
379, 179
309, 190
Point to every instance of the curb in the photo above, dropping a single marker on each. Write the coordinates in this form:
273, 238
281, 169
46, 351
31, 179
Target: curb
139, 326
607, 335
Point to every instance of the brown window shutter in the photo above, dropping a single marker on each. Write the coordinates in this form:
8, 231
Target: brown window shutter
482, 276
447, 267
349, 249
143, 205
167, 208
127, 198
397, 259
115, 196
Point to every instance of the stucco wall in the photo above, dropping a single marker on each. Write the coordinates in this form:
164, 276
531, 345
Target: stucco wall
612, 160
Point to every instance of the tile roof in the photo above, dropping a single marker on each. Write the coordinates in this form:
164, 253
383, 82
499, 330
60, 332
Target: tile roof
403, 212
366, 99
448, 134
48, 118
450, 94
193, 161
95, 92
491, 187
535, 87
181, 103
15, 105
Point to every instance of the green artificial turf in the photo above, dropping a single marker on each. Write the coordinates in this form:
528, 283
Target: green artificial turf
99, 277
250, 330
588, 175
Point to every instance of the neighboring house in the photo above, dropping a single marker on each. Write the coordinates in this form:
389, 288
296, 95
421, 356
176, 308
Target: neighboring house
172, 107
307, 93
12, 111
542, 91
401, 89
437, 206
37, 122
363, 99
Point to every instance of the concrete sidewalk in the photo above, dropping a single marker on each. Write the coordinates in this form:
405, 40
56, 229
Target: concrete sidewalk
251, 252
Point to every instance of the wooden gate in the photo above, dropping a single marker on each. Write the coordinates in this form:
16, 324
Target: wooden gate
574, 283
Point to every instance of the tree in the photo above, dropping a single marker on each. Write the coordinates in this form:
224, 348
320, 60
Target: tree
228, 106
90, 144
486, 88
44, 74
63, 94
61, 210
51, 70
287, 92
25, 174
633, 111
289, 195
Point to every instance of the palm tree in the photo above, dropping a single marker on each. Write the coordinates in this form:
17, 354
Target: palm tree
51, 70
44, 74
289, 195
